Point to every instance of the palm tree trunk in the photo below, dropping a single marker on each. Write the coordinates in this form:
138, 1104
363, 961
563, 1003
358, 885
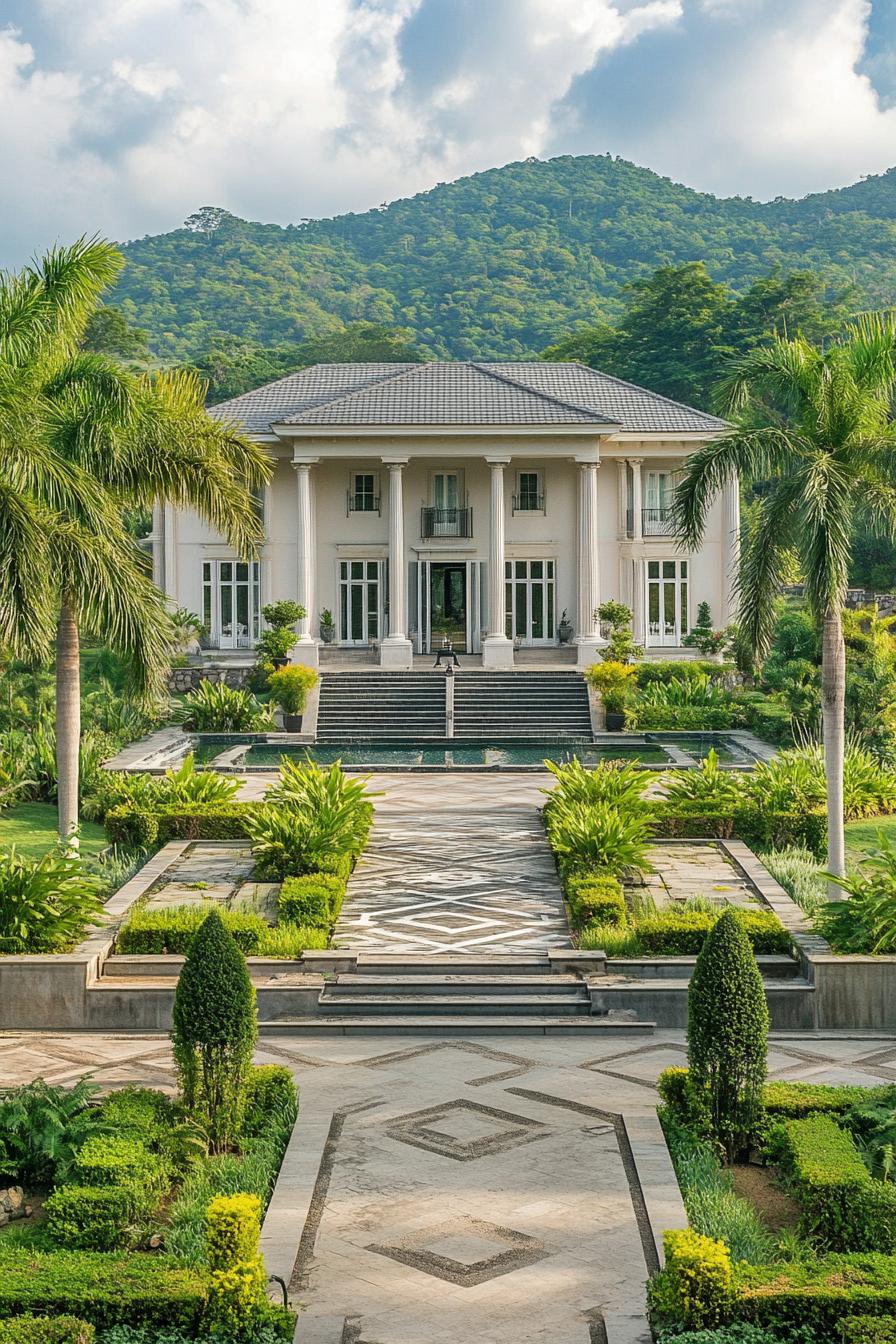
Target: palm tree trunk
833, 689
68, 722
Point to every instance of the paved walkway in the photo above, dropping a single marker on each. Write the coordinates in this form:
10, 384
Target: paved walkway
442, 1191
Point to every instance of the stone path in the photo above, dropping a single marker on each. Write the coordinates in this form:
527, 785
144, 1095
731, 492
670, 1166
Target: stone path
684, 869
479, 1189
476, 881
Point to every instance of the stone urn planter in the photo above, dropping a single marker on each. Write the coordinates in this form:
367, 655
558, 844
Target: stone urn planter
564, 630
292, 723
615, 722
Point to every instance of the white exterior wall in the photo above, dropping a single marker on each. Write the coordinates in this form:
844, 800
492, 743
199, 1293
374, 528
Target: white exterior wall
551, 535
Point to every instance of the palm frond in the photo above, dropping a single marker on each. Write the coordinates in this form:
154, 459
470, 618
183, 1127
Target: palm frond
739, 453
763, 555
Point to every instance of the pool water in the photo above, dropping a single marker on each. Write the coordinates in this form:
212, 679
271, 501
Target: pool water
267, 755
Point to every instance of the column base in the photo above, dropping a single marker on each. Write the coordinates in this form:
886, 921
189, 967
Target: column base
587, 649
307, 652
397, 652
497, 652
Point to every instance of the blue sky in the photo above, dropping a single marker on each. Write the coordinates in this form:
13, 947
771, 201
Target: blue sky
124, 116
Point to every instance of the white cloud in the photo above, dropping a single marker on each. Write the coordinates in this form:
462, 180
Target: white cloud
126, 115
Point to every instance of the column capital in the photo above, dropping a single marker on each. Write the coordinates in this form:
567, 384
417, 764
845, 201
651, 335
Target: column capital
304, 462
586, 460
394, 463
634, 461
503, 461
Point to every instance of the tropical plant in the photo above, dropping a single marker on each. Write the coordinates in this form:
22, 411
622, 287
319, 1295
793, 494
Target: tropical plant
866, 922
614, 681
287, 842
598, 836
794, 781
213, 1033
799, 873
728, 1035
215, 707
43, 1127
186, 784
817, 425
46, 903
700, 691
82, 439
325, 791
289, 687
719, 789
620, 783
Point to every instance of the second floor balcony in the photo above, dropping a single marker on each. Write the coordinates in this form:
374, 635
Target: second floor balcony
446, 522
654, 522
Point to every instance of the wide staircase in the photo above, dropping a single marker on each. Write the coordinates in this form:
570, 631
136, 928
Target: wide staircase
381, 706
498, 706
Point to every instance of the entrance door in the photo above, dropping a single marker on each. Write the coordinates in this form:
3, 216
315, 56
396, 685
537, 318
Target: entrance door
448, 605
667, 601
231, 605
529, 594
359, 601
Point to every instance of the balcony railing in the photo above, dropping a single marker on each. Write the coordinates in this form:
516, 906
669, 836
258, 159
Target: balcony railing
654, 522
446, 522
528, 503
361, 503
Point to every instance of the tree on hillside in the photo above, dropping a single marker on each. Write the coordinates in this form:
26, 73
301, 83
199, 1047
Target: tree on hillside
818, 426
108, 332
83, 438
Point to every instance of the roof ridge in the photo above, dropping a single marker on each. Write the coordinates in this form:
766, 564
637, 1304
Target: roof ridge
639, 387
536, 392
356, 391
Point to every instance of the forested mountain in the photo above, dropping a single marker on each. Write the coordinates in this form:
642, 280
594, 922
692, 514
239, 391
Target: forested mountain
502, 263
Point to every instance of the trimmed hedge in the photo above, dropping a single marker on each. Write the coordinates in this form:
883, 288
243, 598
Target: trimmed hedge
136, 827
595, 899
869, 1330
757, 827
313, 899
104, 1289
843, 1207
682, 933
817, 1292
271, 1097
43, 1330
157, 932
92, 1217
685, 718
794, 1100
115, 1159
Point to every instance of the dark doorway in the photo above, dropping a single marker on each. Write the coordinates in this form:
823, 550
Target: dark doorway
448, 605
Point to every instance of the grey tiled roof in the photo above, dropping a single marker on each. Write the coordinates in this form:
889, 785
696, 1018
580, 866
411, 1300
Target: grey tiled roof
461, 393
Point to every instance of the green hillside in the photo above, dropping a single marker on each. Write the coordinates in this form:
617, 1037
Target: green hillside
501, 263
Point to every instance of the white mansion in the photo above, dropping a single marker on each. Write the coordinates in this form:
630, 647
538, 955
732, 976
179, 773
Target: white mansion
481, 503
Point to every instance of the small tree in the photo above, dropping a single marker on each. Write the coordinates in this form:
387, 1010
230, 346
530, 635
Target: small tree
728, 1035
214, 1029
621, 646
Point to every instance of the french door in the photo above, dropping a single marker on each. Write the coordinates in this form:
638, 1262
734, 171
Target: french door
658, 488
667, 602
231, 602
360, 600
530, 601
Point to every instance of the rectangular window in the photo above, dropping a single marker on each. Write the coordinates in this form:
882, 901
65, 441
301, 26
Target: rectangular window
359, 601
667, 602
529, 497
364, 496
530, 600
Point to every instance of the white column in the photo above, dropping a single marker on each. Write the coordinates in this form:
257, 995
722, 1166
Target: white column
497, 649
637, 499
622, 494
306, 650
169, 551
396, 649
588, 636
730, 549
157, 538
639, 598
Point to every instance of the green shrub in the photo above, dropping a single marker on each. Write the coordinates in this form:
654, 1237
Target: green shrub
186, 786
869, 1330
842, 1208
761, 828
43, 1126
742, 1333
138, 1112
794, 1100
709, 785
142, 829
214, 1029
271, 1097
680, 669
313, 900
728, 1034
817, 1291
866, 922
172, 930
651, 718
289, 843
290, 941
237, 1282
614, 782
596, 900
46, 904
684, 933
800, 874
289, 687
43, 1330
100, 1287
695, 1287
614, 681
216, 708
771, 720
117, 1159
794, 780
93, 1217
589, 836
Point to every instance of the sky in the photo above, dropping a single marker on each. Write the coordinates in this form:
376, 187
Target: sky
124, 116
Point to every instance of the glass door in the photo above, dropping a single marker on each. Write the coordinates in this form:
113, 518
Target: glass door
359, 601
667, 601
231, 602
658, 486
448, 605
446, 502
530, 604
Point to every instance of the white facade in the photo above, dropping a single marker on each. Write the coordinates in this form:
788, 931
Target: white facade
487, 536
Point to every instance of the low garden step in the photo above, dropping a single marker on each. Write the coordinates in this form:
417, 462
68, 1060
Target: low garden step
453, 1025
396, 985
530, 1006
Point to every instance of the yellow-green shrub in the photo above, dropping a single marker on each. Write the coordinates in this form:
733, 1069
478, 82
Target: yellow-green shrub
237, 1281
694, 1290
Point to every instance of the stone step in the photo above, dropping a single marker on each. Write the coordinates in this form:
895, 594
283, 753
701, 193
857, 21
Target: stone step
461, 1005
662, 968
390, 964
553, 986
454, 1026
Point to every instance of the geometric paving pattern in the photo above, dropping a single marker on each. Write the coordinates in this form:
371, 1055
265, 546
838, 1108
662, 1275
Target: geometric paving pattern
464, 1130
462, 1251
460, 883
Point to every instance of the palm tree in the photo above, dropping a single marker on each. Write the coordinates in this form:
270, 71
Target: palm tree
112, 438
817, 425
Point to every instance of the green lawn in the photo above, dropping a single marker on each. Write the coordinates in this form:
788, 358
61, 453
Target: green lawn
31, 827
861, 836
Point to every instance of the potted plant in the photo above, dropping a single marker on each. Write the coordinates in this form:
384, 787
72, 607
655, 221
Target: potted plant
327, 626
289, 687
711, 643
277, 642
564, 629
614, 681
616, 619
